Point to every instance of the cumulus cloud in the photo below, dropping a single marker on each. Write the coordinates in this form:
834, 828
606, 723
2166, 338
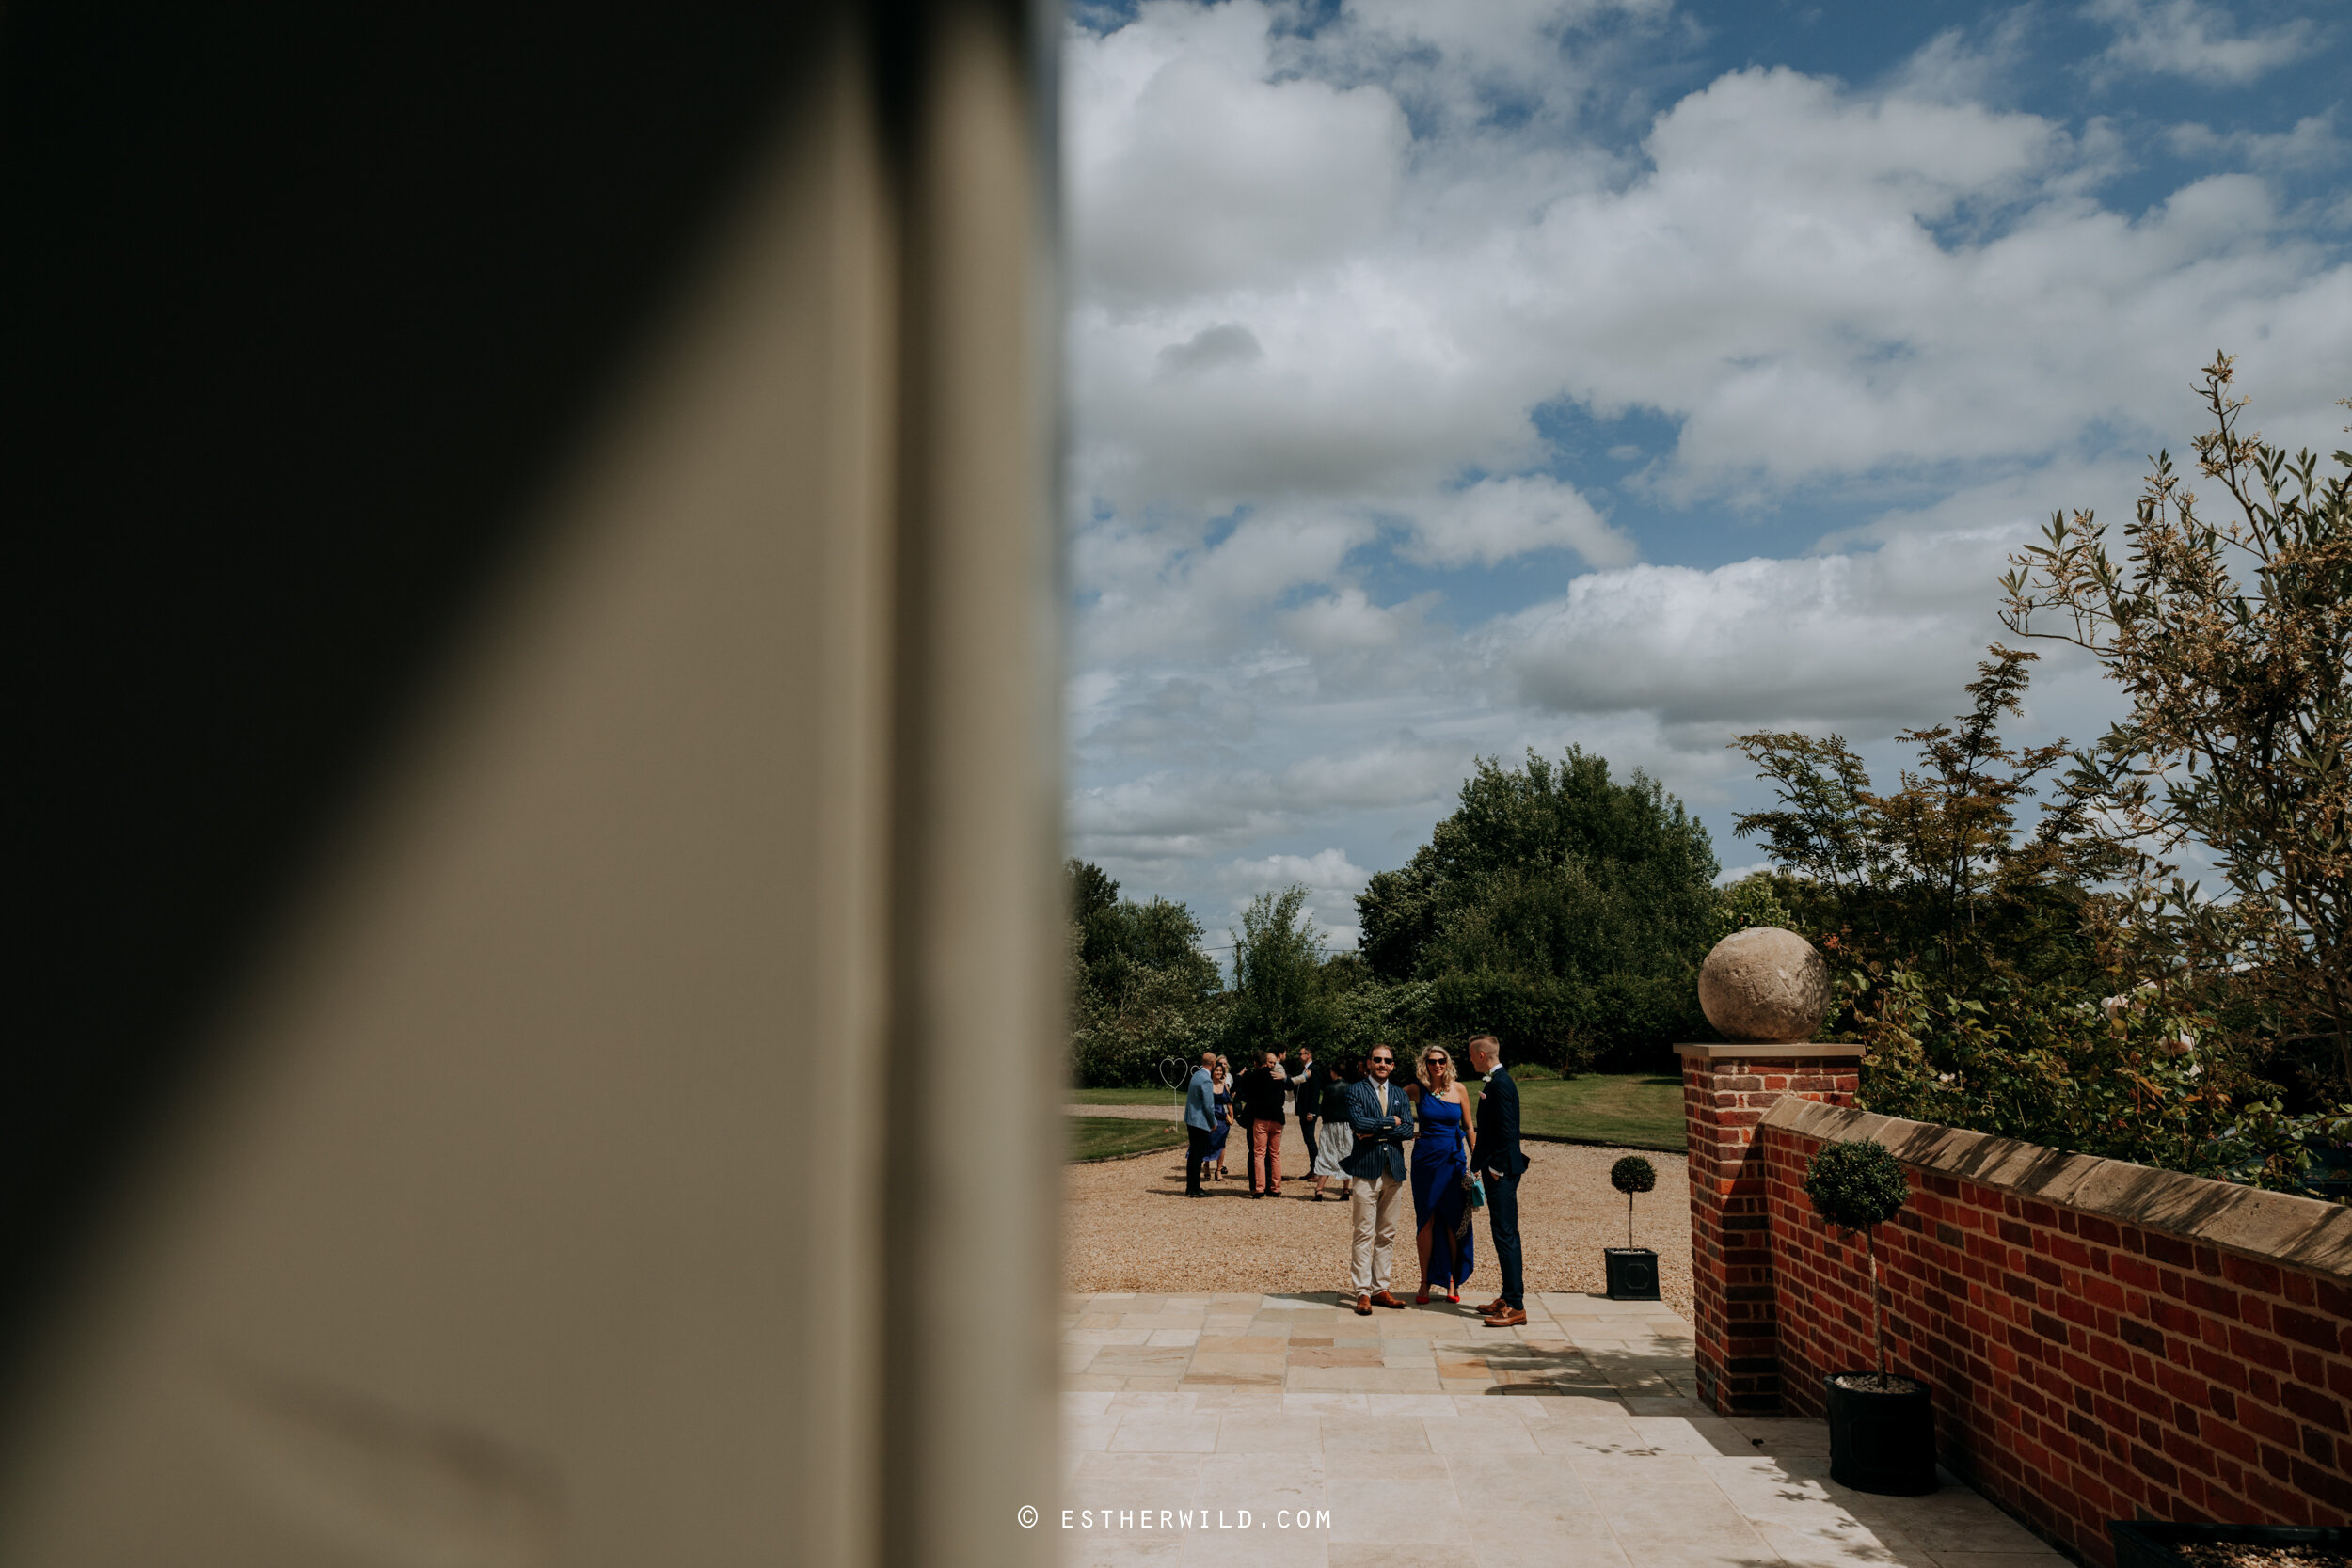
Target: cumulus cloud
1363, 299
1497, 519
1198, 173
1810, 281
1876, 635
2312, 144
1190, 812
2193, 38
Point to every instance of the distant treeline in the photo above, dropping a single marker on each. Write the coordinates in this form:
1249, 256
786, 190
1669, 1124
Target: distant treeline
1563, 910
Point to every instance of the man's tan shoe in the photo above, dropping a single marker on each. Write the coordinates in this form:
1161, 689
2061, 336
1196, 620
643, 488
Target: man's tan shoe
1382, 1298
1492, 1308
1509, 1316
1363, 1307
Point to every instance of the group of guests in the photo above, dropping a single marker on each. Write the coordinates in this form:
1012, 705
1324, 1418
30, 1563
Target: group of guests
1216, 1102
1358, 1129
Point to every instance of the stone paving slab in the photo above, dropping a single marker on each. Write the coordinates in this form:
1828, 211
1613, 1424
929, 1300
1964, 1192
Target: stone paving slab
1285, 1432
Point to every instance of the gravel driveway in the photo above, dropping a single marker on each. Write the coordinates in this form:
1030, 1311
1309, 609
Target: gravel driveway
1128, 1227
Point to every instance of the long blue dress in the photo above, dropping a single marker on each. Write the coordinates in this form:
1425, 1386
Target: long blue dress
1440, 1160
1217, 1133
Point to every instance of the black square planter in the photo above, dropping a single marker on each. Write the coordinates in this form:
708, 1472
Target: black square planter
1882, 1440
1633, 1273
2149, 1543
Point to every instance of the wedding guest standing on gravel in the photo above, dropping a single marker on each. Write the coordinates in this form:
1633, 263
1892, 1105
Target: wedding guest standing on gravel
1199, 1121
1307, 1089
1335, 1140
1258, 1103
1221, 1088
1500, 1164
1382, 1119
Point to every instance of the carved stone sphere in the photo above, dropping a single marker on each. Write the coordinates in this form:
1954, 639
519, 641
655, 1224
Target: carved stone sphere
1764, 985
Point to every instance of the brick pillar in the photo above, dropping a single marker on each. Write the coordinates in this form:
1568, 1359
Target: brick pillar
1725, 1091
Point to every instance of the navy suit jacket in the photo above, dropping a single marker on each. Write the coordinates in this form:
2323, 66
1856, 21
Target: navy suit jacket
1379, 1140
1499, 1125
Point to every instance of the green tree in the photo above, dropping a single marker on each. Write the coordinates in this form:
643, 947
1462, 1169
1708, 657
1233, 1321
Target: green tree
2231, 637
1560, 909
1141, 988
1943, 870
1280, 1001
2059, 982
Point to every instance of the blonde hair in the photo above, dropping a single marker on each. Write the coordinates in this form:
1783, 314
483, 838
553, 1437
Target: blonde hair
1421, 1067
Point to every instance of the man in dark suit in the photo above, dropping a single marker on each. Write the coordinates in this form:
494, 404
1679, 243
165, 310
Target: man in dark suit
1382, 1114
1309, 1085
1500, 1164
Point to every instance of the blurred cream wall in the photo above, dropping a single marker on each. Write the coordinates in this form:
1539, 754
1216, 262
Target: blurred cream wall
638, 1149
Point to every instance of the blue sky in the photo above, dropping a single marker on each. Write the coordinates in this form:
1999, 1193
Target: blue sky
1451, 379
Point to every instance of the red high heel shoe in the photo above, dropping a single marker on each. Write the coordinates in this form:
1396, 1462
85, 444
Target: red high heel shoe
1421, 1298
1455, 1296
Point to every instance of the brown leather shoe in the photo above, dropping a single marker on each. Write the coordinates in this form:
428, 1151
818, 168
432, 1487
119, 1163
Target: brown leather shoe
1363, 1307
1510, 1317
1492, 1308
1384, 1299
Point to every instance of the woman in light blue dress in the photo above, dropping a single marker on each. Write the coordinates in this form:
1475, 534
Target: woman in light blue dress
1221, 1086
1441, 1171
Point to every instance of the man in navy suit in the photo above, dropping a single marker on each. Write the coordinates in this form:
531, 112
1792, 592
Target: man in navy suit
1382, 1114
1500, 1164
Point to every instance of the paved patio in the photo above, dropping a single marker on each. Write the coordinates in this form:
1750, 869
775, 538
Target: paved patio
1423, 1437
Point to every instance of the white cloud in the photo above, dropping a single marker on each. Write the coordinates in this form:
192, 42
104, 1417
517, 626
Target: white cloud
1497, 519
2312, 144
1188, 812
1812, 282
1195, 172
2193, 38
1326, 276
1767, 642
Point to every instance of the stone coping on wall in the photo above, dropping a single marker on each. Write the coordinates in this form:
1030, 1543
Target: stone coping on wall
2277, 1227
1803, 1052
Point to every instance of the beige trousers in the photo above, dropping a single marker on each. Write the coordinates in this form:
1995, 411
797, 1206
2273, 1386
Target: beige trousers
1375, 1214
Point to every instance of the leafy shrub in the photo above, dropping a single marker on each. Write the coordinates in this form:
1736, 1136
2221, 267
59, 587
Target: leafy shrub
1856, 1186
1630, 1175
1633, 1175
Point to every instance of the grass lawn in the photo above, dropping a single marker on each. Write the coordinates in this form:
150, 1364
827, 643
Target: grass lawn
1628, 1110
1125, 1096
1107, 1137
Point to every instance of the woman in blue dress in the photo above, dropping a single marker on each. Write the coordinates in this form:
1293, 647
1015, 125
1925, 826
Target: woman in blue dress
1442, 1163
1221, 1087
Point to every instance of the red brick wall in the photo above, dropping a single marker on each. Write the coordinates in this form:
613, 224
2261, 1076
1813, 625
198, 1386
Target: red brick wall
1731, 1262
2085, 1369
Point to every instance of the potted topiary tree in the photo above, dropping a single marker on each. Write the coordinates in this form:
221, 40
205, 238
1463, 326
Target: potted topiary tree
1881, 1425
1632, 1271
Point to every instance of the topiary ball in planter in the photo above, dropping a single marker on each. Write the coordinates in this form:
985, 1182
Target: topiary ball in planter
1632, 1271
1856, 1186
1633, 1175
1882, 1427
